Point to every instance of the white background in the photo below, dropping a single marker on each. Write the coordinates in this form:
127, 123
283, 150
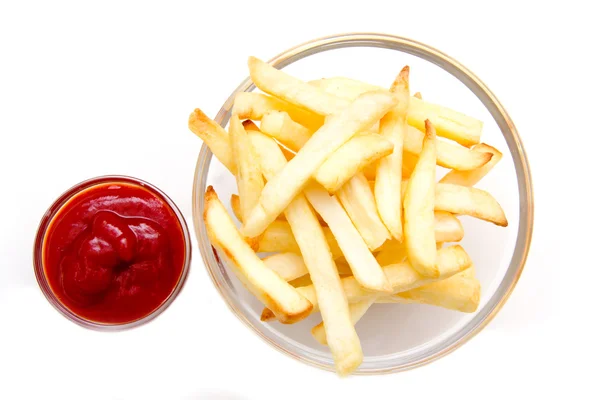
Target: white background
92, 89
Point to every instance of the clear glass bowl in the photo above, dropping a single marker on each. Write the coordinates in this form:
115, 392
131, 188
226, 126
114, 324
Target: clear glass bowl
38, 256
395, 337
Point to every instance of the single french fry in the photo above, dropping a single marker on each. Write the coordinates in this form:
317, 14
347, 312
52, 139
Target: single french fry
419, 221
358, 201
449, 155
288, 183
280, 297
450, 261
455, 293
248, 175
252, 105
388, 179
364, 267
464, 200
351, 158
280, 84
447, 122
418, 95
280, 126
470, 178
214, 136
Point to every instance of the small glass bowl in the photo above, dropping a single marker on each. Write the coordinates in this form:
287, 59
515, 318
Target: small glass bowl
394, 337
39, 243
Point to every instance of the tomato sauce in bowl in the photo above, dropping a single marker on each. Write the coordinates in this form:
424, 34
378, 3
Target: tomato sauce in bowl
112, 252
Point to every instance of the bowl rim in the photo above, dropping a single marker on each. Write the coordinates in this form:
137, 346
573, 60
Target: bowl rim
47, 219
492, 104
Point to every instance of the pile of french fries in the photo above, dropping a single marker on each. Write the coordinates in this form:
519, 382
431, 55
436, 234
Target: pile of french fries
338, 194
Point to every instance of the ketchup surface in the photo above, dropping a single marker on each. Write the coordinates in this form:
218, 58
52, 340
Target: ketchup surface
114, 252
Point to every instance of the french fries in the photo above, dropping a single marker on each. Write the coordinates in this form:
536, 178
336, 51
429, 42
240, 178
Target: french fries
281, 190
471, 177
464, 200
419, 203
275, 293
358, 201
351, 158
364, 267
388, 180
448, 123
248, 176
351, 213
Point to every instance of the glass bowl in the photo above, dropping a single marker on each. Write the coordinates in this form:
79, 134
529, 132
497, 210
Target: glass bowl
394, 337
38, 256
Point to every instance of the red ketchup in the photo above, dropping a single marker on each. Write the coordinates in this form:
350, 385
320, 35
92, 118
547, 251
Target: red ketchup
114, 252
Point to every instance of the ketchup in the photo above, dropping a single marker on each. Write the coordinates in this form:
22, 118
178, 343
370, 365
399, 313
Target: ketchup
114, 252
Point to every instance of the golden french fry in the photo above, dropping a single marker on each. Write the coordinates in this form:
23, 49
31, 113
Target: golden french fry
419, 221
293, 90
448, 123
275, 293
450, 261
351, 158
214, 136
449, 155
248, 175
280, 126
251, 105
308, 233
388, 180
418, 95
364, 267
288, 183
458, 293
463, 200
470, 178
358, 201
357, 311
